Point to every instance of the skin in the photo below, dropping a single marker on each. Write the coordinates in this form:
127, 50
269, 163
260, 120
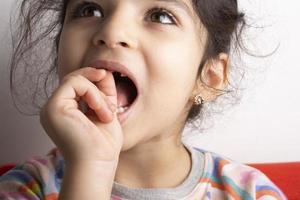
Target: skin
145, 151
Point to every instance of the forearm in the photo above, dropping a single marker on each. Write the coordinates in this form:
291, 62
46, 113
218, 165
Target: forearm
87, 182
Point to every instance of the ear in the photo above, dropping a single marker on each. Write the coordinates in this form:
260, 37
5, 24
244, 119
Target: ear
214, 78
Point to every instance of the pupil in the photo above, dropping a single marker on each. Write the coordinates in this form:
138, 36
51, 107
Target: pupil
90, 12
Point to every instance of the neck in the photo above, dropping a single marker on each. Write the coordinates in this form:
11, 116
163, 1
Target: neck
159, 163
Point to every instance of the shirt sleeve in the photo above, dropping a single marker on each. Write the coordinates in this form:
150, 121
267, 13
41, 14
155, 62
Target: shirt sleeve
19, 184
265, 189
36, 179
233, 180
259, 185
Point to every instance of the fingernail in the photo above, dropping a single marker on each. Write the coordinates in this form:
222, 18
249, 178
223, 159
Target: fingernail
111, 106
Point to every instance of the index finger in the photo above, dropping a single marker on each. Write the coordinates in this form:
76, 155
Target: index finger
108, 86
90, 73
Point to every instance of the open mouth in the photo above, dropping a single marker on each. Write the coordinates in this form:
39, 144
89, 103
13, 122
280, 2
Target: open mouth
126, 91
126, 96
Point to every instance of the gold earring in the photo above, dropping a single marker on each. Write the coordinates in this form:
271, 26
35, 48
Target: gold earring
198, 100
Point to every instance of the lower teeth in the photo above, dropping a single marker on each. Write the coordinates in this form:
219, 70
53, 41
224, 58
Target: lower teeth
121, 109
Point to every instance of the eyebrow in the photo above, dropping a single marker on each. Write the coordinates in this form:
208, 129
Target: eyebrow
179, 4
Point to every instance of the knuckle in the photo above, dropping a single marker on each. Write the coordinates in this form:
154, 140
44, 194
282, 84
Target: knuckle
73, 78
66, 78
84, 71
88, 69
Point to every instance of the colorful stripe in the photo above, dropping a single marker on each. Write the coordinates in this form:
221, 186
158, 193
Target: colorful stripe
221, 179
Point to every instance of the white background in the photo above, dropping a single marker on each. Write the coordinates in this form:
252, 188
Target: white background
265, 127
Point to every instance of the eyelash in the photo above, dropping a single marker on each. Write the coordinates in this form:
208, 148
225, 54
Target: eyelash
76, 12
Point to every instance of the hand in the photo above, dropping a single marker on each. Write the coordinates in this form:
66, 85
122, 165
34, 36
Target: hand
80, 137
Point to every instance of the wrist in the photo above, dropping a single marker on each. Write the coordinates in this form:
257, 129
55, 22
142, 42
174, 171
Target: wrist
87, 181
95, 172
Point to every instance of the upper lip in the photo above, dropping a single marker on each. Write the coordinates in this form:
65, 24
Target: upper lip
114, 66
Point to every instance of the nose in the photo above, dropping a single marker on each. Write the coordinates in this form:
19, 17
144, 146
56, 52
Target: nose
114, 31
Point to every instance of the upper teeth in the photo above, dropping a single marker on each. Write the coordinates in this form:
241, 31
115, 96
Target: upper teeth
123, 75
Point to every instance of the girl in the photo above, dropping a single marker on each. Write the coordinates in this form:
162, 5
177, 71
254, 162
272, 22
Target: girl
131, 74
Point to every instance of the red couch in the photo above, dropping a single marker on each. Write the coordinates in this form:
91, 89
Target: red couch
285, 175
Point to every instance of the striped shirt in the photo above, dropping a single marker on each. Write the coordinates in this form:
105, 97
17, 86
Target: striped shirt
212, 177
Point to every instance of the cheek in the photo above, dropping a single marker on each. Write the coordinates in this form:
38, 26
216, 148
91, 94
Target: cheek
173, 73
175, 64
70, 53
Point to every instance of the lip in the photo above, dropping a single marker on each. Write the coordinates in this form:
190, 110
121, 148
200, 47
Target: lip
116, 66
123, 116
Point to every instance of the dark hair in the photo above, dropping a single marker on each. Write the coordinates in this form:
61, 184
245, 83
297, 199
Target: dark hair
225, 25
39, 24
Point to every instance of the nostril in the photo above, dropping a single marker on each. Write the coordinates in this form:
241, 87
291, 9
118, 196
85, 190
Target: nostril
112, 45
101, 42
124, 44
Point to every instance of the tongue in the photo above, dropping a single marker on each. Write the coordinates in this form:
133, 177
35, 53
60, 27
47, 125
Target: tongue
123, 92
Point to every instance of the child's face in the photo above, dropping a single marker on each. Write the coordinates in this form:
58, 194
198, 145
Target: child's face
164, 57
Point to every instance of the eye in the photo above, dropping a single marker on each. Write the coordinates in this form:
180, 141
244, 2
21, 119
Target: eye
161, 15
87, 9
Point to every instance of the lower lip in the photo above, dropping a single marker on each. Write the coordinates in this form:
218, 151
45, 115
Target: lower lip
123, 116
